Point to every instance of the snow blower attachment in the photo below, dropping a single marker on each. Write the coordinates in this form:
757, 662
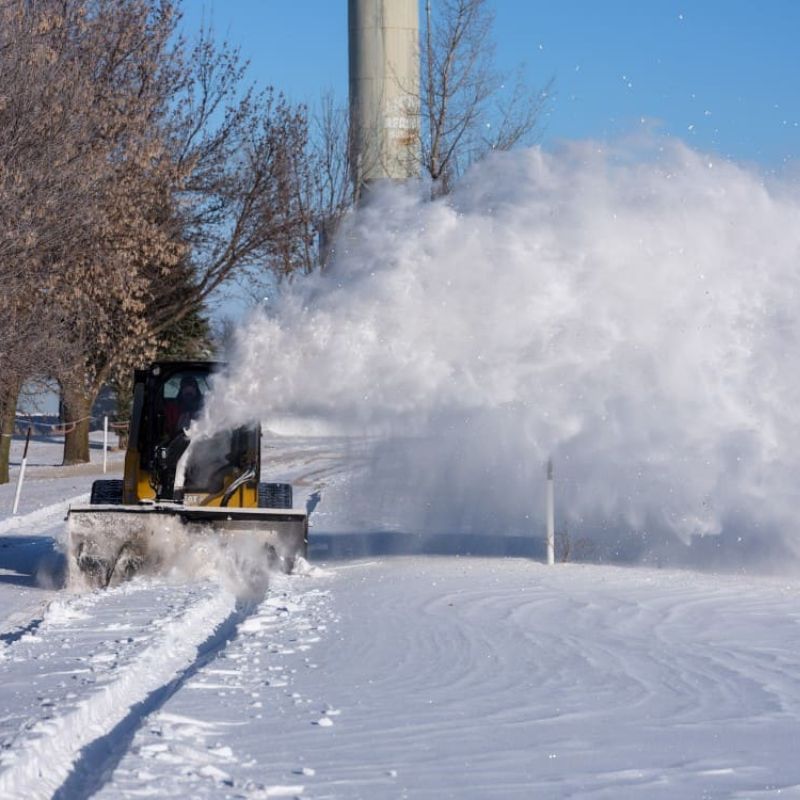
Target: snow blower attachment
178, 492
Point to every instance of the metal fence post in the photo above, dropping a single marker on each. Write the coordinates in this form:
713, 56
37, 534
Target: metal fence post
105, 443
21, 476
551, 516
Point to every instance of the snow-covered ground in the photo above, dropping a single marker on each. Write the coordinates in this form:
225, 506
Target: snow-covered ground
381, 676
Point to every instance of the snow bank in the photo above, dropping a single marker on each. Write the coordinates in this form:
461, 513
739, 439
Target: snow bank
630, 309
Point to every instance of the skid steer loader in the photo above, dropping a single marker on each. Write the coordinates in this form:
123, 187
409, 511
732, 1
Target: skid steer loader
175, 489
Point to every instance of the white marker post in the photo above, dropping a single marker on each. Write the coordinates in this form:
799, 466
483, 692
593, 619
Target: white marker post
22, 471
105, 443
551, 516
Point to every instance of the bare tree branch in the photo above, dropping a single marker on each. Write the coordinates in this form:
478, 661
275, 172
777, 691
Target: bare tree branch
465, 109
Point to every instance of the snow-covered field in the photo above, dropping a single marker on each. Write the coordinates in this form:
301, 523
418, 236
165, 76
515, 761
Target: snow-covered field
387, 676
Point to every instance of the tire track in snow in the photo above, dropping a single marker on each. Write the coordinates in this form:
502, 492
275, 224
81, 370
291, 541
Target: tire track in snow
216, 736
53, 750
99, 759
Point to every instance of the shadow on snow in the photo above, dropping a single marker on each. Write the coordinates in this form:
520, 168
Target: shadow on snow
32, 562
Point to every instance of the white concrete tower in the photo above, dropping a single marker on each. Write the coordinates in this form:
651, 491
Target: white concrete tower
384, 90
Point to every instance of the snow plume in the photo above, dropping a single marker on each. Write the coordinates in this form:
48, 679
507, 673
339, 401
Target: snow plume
236, 560
631, 310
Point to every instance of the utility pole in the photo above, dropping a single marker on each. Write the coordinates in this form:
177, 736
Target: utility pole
384, 90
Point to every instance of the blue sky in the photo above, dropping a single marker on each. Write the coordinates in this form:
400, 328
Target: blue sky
722, 74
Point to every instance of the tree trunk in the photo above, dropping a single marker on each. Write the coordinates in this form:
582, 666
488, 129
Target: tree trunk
8, 409
77, 406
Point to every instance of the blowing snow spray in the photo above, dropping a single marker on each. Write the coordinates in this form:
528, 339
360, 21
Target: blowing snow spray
629, 310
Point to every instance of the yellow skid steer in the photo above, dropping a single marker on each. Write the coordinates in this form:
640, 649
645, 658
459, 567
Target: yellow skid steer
176, 489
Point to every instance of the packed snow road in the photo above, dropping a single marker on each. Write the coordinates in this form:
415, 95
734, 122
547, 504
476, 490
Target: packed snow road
382, 676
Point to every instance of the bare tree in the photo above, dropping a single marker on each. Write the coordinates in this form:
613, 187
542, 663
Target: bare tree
136, 177
224, 200
467, 106
46, 190
468, 109
124, 62
30, 347
328, 189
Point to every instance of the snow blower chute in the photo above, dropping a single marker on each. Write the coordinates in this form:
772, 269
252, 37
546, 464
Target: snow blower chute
175, 491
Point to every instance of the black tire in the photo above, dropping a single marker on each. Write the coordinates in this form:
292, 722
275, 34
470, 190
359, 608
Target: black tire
106, 493
275, 495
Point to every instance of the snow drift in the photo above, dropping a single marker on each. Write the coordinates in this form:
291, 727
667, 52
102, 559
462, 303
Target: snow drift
630, 310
